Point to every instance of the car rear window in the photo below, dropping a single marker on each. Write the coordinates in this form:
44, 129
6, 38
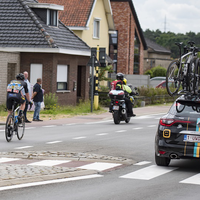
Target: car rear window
185, 111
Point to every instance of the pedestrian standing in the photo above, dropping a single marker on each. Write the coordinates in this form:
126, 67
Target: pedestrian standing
30, 95
38, 99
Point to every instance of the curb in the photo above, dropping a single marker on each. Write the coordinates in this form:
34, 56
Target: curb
40, 177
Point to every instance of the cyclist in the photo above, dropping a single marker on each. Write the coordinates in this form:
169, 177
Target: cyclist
16, 91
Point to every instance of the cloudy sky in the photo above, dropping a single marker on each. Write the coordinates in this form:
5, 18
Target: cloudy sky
181, 15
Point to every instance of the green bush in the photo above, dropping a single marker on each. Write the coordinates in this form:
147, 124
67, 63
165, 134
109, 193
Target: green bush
50, 101
159, 71
149, 72
156, 71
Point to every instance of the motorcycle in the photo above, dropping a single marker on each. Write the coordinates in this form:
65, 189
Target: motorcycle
118, 106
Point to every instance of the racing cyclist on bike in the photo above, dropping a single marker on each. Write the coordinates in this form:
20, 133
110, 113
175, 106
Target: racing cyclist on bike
16, 91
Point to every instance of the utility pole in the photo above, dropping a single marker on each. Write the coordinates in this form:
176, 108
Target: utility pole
165, 24
96, 95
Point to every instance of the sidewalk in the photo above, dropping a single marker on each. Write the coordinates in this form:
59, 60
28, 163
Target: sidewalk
147, 110
18, 167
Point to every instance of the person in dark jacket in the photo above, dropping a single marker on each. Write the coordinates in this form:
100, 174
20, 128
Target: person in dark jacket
38, 99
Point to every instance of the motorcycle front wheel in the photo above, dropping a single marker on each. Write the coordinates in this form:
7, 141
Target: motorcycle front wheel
116, 117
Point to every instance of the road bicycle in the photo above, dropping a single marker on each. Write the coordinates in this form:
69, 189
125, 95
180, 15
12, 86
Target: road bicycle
183, 74
14, 125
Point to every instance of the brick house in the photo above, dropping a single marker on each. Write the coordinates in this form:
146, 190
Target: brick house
156, 55
34, 40
91, 20
127, 45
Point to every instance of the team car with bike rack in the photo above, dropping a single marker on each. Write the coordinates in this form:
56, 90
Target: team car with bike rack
178, 133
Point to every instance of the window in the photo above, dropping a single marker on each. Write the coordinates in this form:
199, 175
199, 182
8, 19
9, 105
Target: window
136, 69
35, 72
62, 72
96, 31
52, 17
113, 49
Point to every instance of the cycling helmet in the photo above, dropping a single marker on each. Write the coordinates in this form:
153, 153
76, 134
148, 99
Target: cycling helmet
125, 81
20, 76
120, 76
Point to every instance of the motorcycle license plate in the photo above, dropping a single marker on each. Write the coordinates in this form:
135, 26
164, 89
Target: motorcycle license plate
115, 107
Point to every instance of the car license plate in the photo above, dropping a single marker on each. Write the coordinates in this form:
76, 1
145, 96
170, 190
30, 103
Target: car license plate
191, 138
115, 107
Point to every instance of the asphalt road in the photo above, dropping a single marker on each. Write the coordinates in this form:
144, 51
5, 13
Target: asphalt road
140, 180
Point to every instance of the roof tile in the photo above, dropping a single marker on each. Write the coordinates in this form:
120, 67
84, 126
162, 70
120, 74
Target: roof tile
76, 12
19, 29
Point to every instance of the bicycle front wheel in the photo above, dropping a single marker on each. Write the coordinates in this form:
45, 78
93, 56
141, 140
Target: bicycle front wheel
21, 128
173, 81
9, 128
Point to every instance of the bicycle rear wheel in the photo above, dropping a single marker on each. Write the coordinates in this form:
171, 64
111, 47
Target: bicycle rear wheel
9, 128
197, 77
21, 128
173, 81
191, 81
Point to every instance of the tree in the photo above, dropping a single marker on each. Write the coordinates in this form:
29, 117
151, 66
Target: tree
168, 39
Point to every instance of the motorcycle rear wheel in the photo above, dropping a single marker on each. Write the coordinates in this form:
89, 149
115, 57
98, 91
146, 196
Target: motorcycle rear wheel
127, 120
116, 117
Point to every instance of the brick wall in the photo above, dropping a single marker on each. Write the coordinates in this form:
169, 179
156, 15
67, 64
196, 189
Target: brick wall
126, 26
50, 62
7, 59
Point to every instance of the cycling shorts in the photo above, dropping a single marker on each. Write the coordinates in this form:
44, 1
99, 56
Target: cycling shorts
11, 97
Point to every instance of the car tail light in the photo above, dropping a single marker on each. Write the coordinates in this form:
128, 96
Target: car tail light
161, 152
170, 122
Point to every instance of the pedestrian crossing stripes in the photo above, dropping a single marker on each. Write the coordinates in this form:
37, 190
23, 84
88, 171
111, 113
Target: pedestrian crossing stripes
49, 163
192, 180
148, 173
98, 166
143, 174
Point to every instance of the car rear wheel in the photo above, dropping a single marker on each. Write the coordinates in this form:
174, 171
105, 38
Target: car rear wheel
162, 161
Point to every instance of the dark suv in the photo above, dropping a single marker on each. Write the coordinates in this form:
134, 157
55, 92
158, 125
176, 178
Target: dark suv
178, 134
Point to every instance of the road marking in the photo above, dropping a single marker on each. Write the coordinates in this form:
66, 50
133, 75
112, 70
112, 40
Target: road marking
30, 128
150, 126
50, 182
78, 138
137, 128
149, 172
120, 131
192, 180
69, 124
88, 123
2, 160
99, 166
143, 163
100, 134
53, 142
50, 163
50, 126
24, 147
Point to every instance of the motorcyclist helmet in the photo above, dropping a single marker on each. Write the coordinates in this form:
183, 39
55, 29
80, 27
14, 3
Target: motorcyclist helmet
20, 76
125, 81
120, 76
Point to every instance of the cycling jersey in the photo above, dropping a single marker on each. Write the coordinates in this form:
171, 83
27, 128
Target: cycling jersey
16, 91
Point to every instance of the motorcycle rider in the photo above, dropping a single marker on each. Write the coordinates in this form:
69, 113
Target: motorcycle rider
119, 80
128, 93
121, 83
